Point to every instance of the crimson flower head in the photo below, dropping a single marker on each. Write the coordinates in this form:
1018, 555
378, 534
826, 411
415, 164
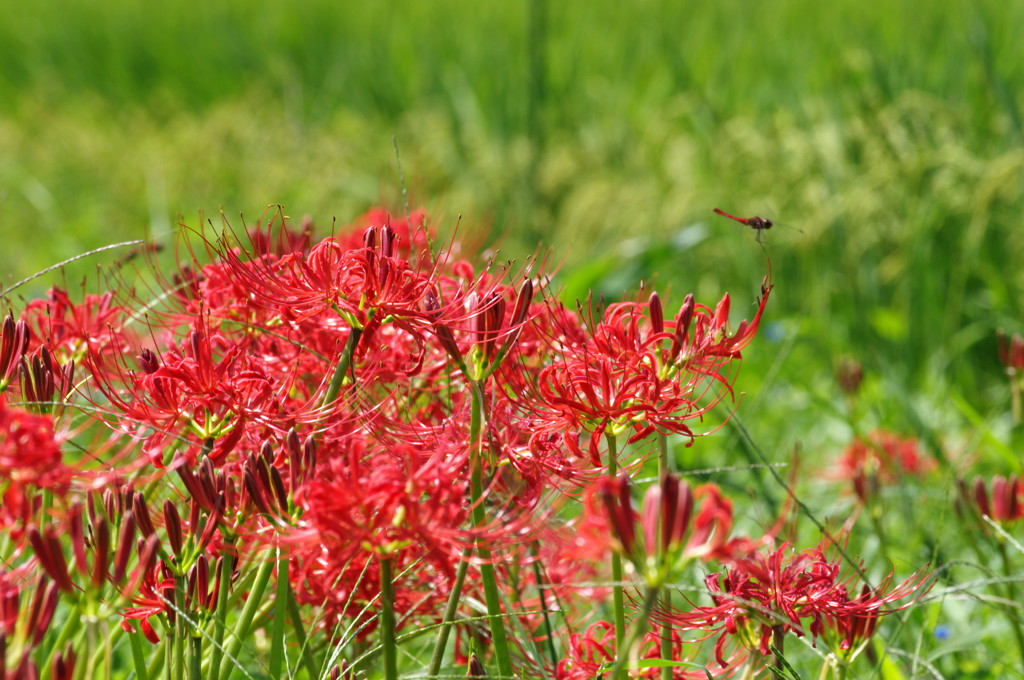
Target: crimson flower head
155, 598
593, 651
73, 330
1000, 501
881, 459
642, 373
30, 452
668, 534
779, 592
209, 388
14, 339
1011, 352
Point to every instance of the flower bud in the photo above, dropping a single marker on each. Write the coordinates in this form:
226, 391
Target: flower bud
125, 543
656, 313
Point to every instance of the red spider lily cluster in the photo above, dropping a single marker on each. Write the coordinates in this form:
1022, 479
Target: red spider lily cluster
880, 459
758, 599
333, 441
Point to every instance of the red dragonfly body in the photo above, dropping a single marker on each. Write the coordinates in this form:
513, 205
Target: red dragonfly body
757, 223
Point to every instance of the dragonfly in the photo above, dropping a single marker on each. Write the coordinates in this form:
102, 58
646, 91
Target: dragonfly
759, 224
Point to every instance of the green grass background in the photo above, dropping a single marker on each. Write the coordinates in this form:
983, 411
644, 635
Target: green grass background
886, 137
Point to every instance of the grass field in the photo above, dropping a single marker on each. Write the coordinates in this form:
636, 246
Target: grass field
888, 144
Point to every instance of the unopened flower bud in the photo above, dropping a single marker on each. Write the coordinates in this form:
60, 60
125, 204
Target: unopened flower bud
125, 543
618, 503
101, 553
142, 517
149, 361
849, 375
13, 345
476, 668
172, 522
51, 557
656, 313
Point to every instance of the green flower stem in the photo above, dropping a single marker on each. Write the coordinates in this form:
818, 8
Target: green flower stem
635, 634
842, 670
445, 628
277, 651
242, 627
101, 653
344, 363
220, 616
490, 582
156, 661
778, 640
387, 618
195, 658
618, 601
300, 636
549, 629
875, 516
69, 628
666, 598
1011, 595
180, 633
168, 648
138, 656
90, 648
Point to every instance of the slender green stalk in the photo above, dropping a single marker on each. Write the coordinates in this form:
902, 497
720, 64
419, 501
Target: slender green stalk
387, 619
277, 651
220, 616
548, 628
635, 633
778, 640
196, 657
875, 516
242, 627
156, 661
452, 606
168, 647
1011, 595
618, 601
300, 636
70, 627
90, 636
177, 661
344, 363
490, 582
138, 656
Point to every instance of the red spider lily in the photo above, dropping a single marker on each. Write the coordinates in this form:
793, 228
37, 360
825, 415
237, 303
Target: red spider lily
369, 500
668, 534
649, 377
849, 375
1002, 504
216, 399
288, 240
72, 331
882, 458
14, 339
364, 285
154, 596
590, 653
802, 593
30, 452
11, 585
44, 381
1011, 353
